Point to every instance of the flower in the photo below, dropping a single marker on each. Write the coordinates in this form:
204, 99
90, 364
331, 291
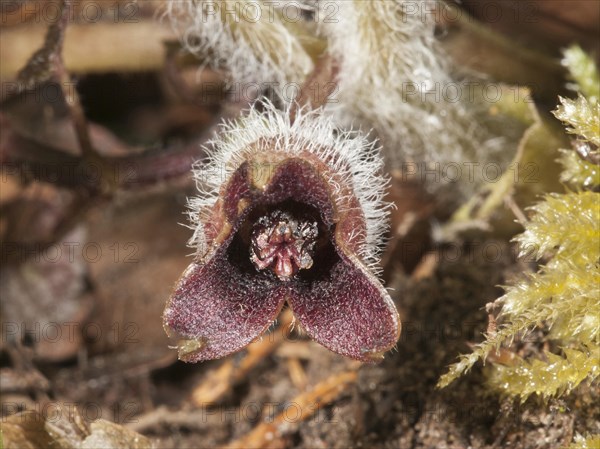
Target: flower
394, 77
252, 40
289, 211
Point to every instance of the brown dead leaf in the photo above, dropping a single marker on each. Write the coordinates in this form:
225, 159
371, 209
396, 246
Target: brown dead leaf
105, 434
66, 430
42, 297
24, 430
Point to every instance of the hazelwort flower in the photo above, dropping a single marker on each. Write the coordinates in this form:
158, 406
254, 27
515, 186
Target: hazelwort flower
289, 211
257, 42
395, 78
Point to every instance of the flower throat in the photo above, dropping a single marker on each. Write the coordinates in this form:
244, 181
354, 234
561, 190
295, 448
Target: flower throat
283, 243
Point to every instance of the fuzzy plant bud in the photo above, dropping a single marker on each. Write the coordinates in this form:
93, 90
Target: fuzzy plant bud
253, 40
394, 78
289, 211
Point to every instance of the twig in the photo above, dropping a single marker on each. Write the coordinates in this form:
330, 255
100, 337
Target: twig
47, 63
40, 66
220, 381
317, 88
297, 373
98, 47
75, 109
162, 416
22, 381
64, 80
324, 393
295, 349
514, 207
426, 266
50, 164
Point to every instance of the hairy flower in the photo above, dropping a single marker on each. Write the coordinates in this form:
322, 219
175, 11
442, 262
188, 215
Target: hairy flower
289, 211
394, 78
254, 40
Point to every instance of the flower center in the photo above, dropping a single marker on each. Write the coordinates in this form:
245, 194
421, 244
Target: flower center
283, 243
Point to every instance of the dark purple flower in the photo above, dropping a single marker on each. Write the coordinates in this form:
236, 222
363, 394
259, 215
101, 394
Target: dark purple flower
288, 212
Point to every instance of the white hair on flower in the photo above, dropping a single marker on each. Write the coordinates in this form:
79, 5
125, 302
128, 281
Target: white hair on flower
350, 154
247, 37
390, 78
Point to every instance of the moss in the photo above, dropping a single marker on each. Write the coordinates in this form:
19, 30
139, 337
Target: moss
583, 72
578, 172
582, 117
547, 378
590, 442
563, 296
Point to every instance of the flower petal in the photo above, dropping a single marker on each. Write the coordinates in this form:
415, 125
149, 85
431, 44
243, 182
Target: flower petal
218, 309
348, 312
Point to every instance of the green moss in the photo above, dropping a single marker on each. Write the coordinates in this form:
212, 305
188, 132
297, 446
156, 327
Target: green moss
582, 118
590, 442
563, 296
577, 172
565, 225
546, 378
583, 71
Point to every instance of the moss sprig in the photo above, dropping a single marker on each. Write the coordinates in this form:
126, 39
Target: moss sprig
563, 296
547, 378
582, 117
583, 72
589, 442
